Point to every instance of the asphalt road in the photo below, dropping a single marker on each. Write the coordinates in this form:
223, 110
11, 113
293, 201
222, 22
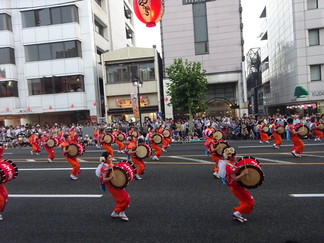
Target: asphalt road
178, 199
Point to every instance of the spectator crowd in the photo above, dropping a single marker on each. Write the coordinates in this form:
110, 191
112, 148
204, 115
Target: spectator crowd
244, 128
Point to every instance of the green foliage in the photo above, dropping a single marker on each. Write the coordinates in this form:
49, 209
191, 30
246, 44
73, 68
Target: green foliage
187, 87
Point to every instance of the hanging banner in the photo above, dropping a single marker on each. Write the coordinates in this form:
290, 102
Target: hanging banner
135, 105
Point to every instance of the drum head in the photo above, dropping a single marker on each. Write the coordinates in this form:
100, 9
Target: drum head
280, 130
166, 133
143, 151
218, 135
135, 134
303, 131
73, 150
253, 179
121, 137
120, 180
220, 148
265, 129
157, 138
320, 126
108, 138
50, 142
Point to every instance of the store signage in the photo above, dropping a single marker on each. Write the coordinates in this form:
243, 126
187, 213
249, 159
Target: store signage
318, 93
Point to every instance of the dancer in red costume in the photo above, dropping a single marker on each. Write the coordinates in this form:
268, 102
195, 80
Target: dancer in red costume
210, 145
156, 147
246, 200
3, 199
132, 146
72, 160
35, 140
317, 131
298, 148
51, 151
2, 149
121, 196
106, 146
263, 135
276, 136
121, 145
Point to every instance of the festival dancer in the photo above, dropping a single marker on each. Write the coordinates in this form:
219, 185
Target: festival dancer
317, 131
246, 200
3, 199
121, 196
276, 136
72, 160
210, 145
298, 148
158, 150
35, 140
263, 135
2, 149
132, 146
96, 136
105, 145
50, 150
121, 145
73, 134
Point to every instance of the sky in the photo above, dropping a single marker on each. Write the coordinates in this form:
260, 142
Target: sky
251, 29
251, 12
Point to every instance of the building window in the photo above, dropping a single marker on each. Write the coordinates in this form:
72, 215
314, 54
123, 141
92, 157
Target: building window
125, 72
50, 16
129, 32
5, 22
313, 37
200, 28
56, 85
51, 51
8, 89
99, 28
312, 4
98, 2
7, 56
315, 73
127, 12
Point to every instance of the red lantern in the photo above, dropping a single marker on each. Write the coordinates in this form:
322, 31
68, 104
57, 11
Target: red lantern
94, 103
50, 107
7, 109
166, 99
72, 106
149, 11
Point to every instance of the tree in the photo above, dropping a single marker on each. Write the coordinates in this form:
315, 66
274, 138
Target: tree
187, 87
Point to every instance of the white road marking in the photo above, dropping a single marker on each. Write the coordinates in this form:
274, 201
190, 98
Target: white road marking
82, 160
30, 160
52, 169
195, 160
56, 195
284, 145
307, 195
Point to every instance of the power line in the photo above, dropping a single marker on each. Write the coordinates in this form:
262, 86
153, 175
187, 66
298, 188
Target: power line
39, 6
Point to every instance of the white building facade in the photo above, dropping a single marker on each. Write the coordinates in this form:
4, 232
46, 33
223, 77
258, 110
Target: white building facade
209, 32
50, 57
292, 57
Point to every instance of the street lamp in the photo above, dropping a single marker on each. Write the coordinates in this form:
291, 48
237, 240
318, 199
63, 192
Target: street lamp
138, 83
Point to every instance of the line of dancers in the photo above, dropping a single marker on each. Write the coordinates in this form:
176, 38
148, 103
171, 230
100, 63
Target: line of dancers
236, 175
